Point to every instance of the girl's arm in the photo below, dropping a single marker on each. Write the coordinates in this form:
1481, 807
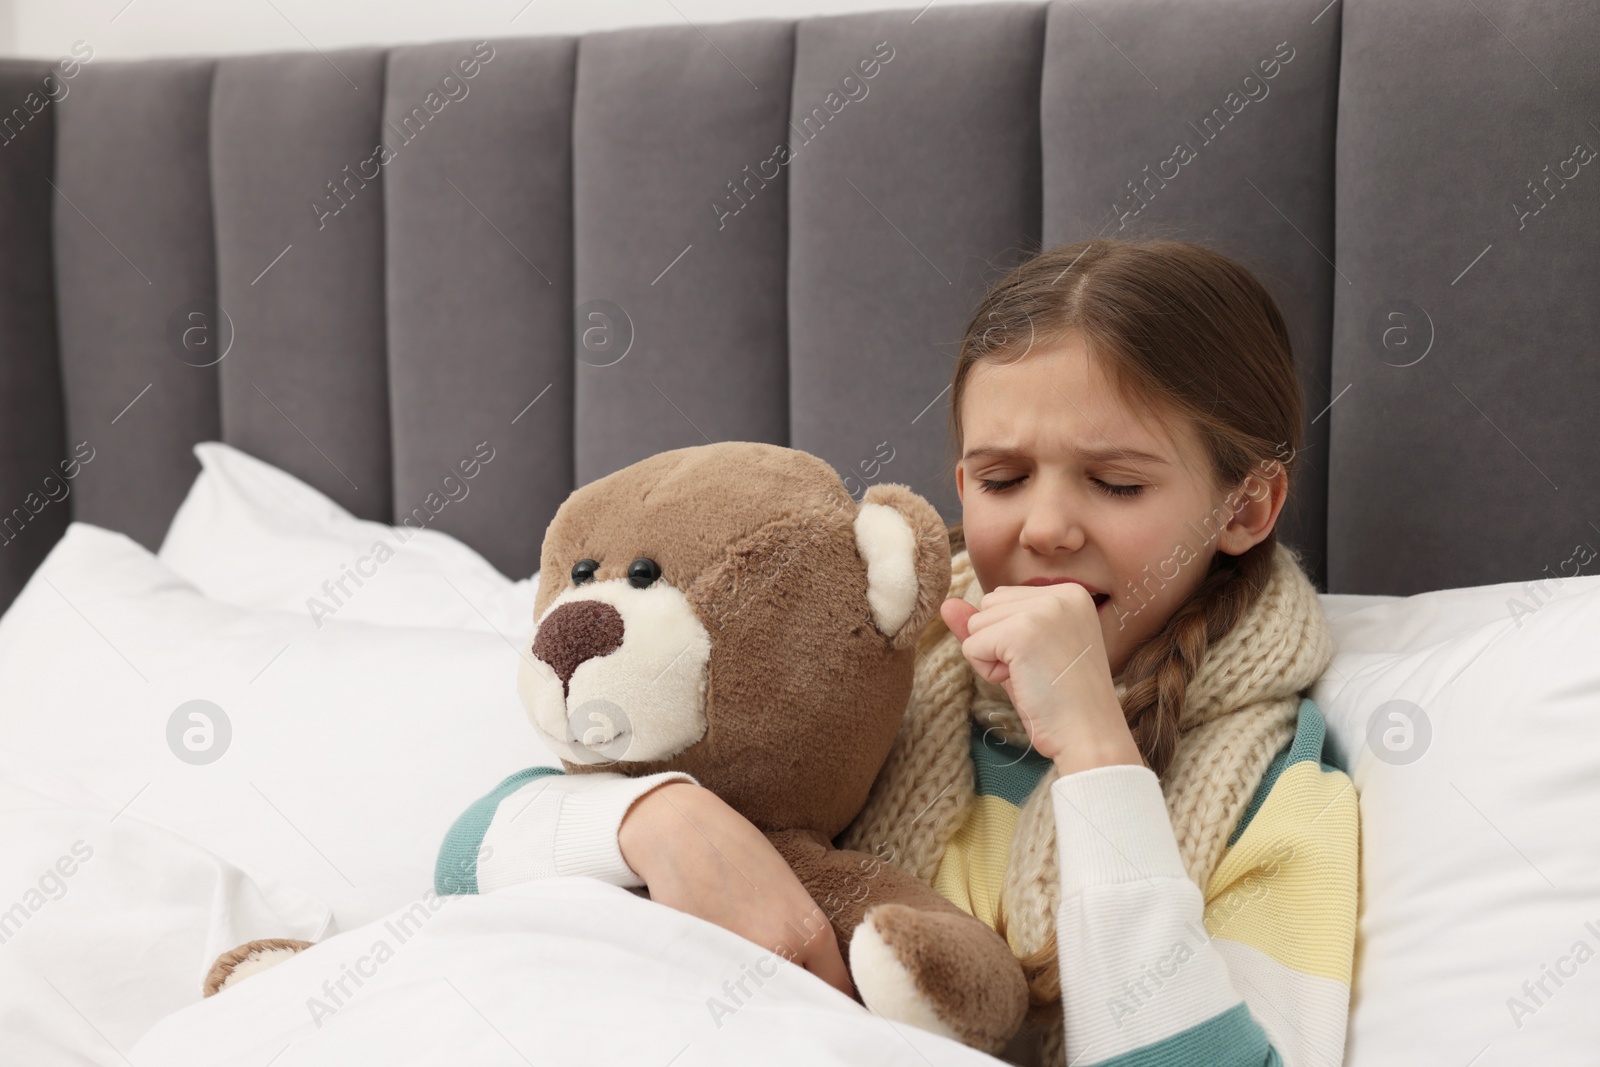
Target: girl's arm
684, 843
1256, 974
543, 823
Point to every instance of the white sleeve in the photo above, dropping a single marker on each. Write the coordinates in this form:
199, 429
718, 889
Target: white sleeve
1139, 975
564, 824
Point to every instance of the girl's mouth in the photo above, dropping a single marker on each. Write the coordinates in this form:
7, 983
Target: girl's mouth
1100, 599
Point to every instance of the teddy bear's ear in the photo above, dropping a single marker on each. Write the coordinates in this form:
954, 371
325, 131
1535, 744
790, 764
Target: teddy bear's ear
906, 548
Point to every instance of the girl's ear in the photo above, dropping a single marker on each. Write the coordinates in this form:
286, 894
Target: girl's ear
904, 544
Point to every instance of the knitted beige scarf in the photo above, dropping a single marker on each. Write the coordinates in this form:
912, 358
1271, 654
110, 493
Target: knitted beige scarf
1239, 710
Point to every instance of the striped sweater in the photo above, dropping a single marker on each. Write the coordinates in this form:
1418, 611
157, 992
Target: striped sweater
1255, 974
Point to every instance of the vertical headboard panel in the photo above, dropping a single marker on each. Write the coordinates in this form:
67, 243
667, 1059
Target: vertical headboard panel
136, 287
1469, 218
665, 122
478, 215
300, 268
1211, 123
33, 445
905, 205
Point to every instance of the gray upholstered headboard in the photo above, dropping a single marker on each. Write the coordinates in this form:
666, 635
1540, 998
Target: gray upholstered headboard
1414, 181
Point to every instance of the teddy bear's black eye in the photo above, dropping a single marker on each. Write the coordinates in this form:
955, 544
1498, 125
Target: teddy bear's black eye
583, 571
643, 572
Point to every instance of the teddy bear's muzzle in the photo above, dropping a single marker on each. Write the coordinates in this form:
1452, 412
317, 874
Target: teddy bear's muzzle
618, 673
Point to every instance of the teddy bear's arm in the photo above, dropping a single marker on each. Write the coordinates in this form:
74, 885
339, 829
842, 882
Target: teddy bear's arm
542, 823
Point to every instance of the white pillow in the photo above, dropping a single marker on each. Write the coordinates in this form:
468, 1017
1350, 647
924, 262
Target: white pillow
341, 755
251, 534
1480, 832
110, 923
1336, 605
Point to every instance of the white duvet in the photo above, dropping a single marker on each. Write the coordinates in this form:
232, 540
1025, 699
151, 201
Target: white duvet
565, 971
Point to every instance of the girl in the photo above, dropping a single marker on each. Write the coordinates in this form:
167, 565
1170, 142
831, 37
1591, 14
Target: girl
1107, 755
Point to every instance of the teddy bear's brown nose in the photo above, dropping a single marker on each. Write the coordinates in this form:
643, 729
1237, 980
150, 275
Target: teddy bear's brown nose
575, 633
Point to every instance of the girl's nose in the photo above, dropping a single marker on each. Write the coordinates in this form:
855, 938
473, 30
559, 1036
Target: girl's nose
1050, 526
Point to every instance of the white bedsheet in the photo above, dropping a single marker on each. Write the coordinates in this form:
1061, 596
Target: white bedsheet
108, 923
565, 971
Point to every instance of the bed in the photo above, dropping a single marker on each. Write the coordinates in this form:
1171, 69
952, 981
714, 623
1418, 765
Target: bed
262, 314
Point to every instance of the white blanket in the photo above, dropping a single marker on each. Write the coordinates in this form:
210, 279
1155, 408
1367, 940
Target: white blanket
108, 922
565, 971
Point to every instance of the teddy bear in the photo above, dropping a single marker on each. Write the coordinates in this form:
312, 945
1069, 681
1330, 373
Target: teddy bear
729, 610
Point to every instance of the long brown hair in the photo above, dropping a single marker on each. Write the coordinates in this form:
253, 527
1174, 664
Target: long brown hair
1183, 331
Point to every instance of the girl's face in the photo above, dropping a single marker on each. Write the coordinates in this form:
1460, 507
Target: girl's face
1085, 487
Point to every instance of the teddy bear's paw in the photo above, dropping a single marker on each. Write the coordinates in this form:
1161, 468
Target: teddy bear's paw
887, 986
252, 957
944, 972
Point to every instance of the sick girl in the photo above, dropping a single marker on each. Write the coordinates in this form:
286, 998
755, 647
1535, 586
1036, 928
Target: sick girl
1109, 754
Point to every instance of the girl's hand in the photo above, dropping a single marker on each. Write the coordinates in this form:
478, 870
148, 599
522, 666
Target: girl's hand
696, 854
1043, 645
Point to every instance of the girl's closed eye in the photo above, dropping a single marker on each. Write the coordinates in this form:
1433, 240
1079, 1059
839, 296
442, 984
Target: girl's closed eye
991, 486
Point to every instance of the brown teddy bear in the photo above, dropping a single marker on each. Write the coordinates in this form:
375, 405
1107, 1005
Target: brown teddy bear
728, 610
